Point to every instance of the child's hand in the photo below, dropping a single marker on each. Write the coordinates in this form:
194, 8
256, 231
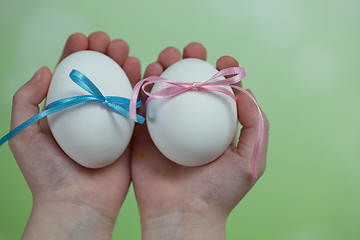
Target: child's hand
180, 202
70, 201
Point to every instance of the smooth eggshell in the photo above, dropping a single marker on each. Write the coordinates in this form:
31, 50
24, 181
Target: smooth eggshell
90, 133
195, 127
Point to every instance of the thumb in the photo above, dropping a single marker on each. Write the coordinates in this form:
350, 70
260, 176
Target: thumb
27, 99
248, 116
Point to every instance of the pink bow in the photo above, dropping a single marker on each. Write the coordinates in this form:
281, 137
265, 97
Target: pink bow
174, 88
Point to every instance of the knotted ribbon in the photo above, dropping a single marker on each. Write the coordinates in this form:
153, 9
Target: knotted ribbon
115, 103
174, 88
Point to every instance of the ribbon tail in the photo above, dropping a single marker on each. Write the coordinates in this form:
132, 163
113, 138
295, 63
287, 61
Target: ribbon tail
125, 112
133, 100
259, 134
140, 119
22, 126
257, 146
50, 109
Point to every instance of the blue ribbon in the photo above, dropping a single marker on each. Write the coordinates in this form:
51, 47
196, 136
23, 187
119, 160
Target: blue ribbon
118, 104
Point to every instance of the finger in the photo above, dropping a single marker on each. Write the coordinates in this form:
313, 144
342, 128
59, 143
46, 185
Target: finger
27, 99
132, 68
195, 50
153, 69
99, 41
248, 116
118, 50
169, 56
76, 42
226, 62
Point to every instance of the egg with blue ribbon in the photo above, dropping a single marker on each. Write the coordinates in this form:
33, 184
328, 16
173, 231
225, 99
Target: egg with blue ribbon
90, 129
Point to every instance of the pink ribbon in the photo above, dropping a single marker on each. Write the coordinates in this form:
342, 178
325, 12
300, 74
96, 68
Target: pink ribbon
174, 88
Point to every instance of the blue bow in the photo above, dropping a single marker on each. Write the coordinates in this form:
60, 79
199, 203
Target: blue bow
117, 104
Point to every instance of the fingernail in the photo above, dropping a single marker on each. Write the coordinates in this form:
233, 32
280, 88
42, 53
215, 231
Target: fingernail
37, 75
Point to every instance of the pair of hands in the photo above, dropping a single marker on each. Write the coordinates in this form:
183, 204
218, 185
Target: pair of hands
177, 202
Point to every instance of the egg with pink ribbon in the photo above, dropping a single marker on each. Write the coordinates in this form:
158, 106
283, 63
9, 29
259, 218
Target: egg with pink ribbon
90, 133
195, 127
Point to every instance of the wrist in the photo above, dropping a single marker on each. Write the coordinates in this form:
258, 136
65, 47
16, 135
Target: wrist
67, 220
184, 225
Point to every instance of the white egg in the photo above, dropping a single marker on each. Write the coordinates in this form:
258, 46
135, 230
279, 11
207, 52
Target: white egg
90, 133
195, 127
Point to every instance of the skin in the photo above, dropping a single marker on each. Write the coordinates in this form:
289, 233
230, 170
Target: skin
69, 201
175, 202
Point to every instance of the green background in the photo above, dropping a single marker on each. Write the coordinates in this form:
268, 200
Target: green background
302, 62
